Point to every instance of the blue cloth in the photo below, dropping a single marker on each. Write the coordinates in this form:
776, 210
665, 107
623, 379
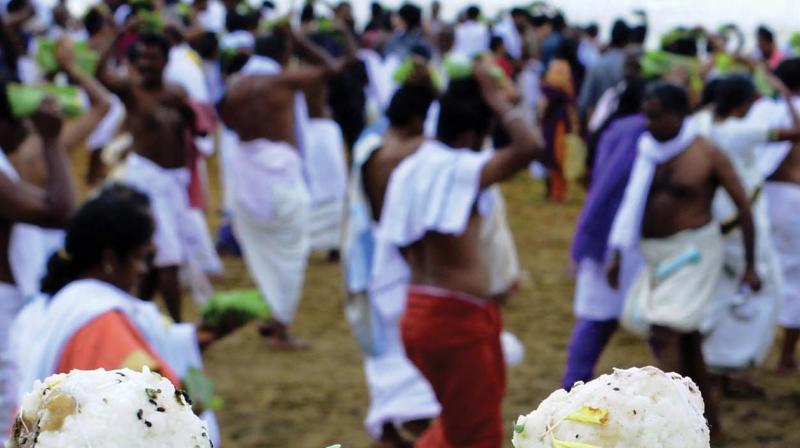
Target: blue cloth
616, 153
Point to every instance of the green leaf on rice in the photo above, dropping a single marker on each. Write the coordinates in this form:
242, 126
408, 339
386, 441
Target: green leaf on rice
231, 308
560, 444
200, 389
25, 99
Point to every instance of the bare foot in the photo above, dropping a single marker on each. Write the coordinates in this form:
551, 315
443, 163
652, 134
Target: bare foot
784, 368
287, 343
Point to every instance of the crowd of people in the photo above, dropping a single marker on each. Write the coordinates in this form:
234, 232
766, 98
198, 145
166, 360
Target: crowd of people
382, 147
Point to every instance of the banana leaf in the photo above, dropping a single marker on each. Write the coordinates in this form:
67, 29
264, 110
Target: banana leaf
200, 389
25, 99
151, 20
86, 59
232, 308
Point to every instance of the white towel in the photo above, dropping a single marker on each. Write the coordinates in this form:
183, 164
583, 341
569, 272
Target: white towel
433, 190
626, 230
325, 167
500, 253
784, 201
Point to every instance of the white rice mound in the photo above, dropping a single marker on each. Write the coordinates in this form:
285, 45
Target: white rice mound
639, 407
107, 409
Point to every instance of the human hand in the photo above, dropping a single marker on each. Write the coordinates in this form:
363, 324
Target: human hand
751, 279
48, 119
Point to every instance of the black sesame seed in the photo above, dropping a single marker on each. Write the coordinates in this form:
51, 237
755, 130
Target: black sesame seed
160, 409
148, 424
139, 414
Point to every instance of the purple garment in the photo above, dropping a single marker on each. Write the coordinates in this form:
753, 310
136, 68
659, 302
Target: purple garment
616, 153
589, 338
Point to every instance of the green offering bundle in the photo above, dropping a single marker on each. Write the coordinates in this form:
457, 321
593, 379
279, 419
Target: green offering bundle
151, 20
459, 67
233, 308
86, 59
200, 389
406, 69
25, 99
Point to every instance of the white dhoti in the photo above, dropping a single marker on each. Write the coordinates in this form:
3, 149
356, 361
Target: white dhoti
169, 201
680, 299
739, 328
270, 219
398, 391
326, 174
10, 303
784, 201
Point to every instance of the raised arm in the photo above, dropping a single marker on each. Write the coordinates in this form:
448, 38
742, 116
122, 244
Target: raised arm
526, 140
730, 182
75, 133
788, 134
53, 207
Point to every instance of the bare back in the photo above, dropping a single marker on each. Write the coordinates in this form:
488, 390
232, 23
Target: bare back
261, 107
789, 169
681, 193
379, 167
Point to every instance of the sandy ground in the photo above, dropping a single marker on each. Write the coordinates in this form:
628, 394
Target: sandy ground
316, 398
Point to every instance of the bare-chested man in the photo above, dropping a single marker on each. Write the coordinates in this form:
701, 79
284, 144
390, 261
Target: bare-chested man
668, 206
397, 389
271, 199
432, 211
22, 202
161, 123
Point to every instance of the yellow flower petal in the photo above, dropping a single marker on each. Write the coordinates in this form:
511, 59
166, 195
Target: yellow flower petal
588, 414
560, 444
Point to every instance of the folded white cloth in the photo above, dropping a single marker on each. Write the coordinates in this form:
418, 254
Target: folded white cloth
679, 301
626, 230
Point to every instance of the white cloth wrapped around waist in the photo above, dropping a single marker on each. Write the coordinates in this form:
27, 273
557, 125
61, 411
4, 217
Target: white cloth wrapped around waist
784, 201
324, 165
258, 166
679, 297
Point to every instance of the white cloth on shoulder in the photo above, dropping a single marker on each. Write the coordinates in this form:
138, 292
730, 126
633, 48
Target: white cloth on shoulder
270, 219
46, 325
398, 391
433, 190
169, 201
326, 174
784, 201
626, 230
678, 300
107, 129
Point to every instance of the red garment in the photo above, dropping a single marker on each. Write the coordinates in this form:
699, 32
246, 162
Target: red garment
454, 341
111, 341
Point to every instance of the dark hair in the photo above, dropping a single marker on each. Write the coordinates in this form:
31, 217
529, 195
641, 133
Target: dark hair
789, 72
118, 219
473, 12
731, 93
307, 14
671, 97
592, 30
242, 21
375, 9
150, 40
206, 45
16, 5
271, 45
638, 34
462, 109
495, 42
539, 20
409, 102
411, 16
8, 52
559, 22
5, 107
765, 33
620, 34
93, 21
709, 94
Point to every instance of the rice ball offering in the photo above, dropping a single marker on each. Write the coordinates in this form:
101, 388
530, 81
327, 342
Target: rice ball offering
628, 408
107, 409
